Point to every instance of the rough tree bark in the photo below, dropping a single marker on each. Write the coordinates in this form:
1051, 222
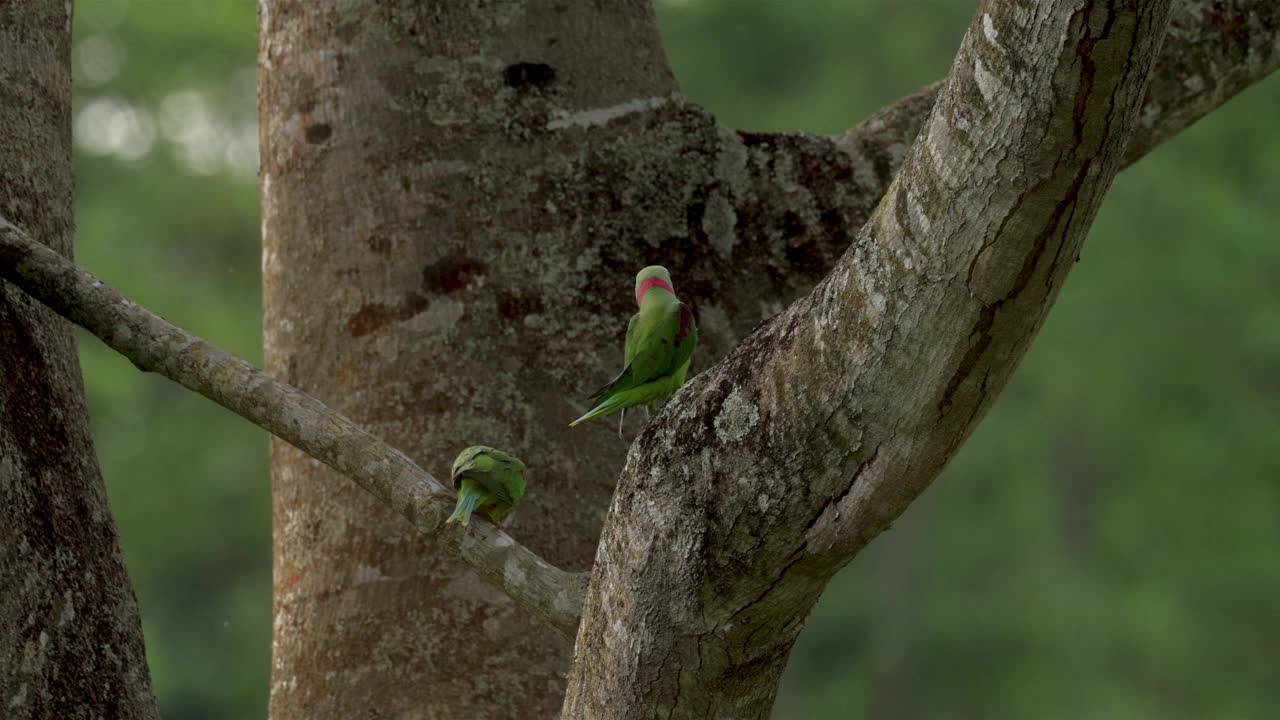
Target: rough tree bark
826, 415
421, 274
784, 460
70, 638
153, 344
455, 199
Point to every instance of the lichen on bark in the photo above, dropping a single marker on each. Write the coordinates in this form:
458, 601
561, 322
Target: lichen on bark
718, 543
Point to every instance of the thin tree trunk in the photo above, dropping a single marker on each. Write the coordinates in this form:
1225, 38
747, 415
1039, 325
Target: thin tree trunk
70, 639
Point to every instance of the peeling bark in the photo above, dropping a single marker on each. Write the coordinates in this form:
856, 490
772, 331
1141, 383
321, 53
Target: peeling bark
70, 639
776, 466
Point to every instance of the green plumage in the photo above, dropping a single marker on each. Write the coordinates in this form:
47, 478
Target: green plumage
660, 342
488, 481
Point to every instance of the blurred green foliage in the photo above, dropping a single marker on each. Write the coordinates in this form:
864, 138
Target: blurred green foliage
167, 211
1107, 545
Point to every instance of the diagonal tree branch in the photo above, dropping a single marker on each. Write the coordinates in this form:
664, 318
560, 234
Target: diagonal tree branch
155, 345
794, 201
768, 472
1213, 51
800, 195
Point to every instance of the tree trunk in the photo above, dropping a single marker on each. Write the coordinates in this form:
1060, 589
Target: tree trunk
774, 467
783, 461
456, 199
70, 639
424, 268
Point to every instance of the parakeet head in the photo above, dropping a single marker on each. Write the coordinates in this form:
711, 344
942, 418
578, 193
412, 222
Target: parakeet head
484, 459
469, 455
654, 276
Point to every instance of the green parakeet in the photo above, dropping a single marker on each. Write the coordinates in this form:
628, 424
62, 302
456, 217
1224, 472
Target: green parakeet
488, 481
660, 341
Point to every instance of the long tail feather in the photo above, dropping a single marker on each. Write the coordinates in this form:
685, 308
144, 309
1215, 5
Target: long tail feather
609, 405
622, 380
466, 505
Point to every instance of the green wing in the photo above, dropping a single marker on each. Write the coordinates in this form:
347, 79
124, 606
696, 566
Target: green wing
511, 485
664, 347
498, 472
629, 350
656, 347
506, 482
685, 341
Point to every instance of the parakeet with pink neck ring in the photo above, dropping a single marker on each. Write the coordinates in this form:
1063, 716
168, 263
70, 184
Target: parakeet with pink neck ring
660, 342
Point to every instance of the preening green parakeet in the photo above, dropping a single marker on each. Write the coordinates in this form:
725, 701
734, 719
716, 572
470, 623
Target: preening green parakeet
488, 481
660, 342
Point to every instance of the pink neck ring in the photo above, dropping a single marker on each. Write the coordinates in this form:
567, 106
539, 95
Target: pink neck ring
652, 282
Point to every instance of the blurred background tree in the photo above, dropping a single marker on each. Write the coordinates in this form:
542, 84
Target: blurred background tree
1107, 545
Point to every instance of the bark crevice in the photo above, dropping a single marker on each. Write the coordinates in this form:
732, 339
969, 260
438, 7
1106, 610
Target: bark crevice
863, 389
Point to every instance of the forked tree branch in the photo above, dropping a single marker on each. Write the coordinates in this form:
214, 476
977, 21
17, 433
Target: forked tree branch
156, 345
769, 471
800, 199
1212, 52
